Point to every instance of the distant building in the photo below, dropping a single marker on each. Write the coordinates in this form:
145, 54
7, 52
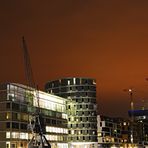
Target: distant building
109, 131
113, 132
18, 103
81, 108
141, 120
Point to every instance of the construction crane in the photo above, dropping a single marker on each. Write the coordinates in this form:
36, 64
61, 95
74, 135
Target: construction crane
36, 125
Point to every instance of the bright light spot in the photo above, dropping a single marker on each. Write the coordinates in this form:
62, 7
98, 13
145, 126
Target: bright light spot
130, 90
124, 123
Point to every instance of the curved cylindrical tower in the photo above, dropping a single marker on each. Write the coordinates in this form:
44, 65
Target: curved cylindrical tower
81, 106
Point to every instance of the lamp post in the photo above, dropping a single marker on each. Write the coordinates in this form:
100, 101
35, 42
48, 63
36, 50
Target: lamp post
130, 91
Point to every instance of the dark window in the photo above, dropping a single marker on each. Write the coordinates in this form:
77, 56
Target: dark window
77, 81
78, 106
63, 89
86, 113
84, 119
80, 100
53, 121
74, 125
15, 125
8, 105
23, 108
93, 100
8, 125
56, 83
23, 126
87, 125
84, 106
7, 146
55, 90
105, 129
84, 81
21, 144
86, 87
80, 125
15, 107
59, 122
77, 94
15, 116
101, 124
91, 106
13, 145
48, 120
64, 82
80, 88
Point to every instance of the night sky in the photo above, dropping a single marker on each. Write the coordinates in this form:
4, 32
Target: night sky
102, 39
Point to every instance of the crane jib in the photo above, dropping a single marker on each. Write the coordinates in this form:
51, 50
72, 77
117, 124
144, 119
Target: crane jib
37, 124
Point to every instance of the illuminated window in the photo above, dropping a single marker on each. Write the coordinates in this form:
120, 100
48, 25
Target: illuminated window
24, 117
72, 132
72, 118
124, 123
7, 144
64, 116
74, 81
8, 115
56, 129
16, 116
15, 135
99, 135
94, 82
7, 134
68, 82
23, 135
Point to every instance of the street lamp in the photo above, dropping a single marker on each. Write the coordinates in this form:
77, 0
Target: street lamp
130, 91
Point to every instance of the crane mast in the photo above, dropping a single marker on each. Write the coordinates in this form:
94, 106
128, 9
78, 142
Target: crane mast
36, 124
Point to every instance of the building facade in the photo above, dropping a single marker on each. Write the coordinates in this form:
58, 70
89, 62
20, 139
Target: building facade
116, 132
109, 131
81, 109
141, 122
18, 103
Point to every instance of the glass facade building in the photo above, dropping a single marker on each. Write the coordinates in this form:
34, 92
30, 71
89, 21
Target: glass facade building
18, 103
81, 109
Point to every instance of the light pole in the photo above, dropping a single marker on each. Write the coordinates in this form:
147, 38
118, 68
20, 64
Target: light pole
130, 91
